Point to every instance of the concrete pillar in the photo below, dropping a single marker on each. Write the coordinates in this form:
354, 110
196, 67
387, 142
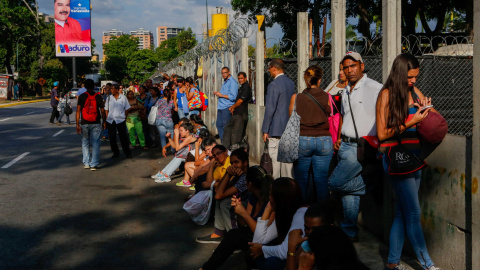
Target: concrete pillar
244, 55
302, 49
392, 44
214, 88
259, 87
231, 64
476, 141
338, 34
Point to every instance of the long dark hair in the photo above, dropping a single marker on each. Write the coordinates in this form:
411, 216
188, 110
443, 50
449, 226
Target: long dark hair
287, 197
168, 94
258, 177
196, 119
398, 90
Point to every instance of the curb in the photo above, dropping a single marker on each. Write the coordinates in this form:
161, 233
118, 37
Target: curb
23, 102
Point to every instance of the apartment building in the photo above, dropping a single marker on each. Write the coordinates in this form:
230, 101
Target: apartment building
164, 33
107, 35
145, 38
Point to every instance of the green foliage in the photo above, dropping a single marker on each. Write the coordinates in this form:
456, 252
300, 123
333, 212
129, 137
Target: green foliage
251, 51
185, 41
175, 46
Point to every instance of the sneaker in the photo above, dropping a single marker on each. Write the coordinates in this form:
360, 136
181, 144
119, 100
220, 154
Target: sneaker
209, 239
59, 123
184, 183
433, 267
398, 267
192, 188
93, 168
164, 179
86, 167
158, 175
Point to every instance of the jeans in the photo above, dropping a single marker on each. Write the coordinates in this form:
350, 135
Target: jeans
318, 152
54, 114
122, 133
134, 124
62, 113
91, 138
223, 116
192, 112
407, 217
172, 166
348, 182
164, 125
235, 129
15, 95
181, 114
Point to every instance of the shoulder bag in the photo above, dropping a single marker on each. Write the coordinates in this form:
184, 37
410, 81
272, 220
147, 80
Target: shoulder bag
152, 116
67, 109
288, 144
403, 161
333, 119
266, 160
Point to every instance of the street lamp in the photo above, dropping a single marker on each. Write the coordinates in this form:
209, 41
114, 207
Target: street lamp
18, 69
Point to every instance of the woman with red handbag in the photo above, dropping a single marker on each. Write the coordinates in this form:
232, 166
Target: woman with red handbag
400, 107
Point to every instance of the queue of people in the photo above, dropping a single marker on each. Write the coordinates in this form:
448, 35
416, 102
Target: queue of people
272, 217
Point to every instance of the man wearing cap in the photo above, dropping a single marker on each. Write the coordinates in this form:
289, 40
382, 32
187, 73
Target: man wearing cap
54, 102
358, 116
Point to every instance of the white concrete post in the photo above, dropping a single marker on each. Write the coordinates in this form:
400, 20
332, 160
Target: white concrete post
214, 98
338, 34
231, 65
302, 49
392, 45
244, 53
476, 140
259, 87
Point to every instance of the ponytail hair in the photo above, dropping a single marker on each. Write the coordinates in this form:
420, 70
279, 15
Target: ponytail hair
313, 75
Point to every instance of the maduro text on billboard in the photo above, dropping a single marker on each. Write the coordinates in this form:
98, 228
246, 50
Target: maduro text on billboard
72, 28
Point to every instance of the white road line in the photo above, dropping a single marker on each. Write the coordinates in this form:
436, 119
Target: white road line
5, 119
58, 133
30, 112
15, 160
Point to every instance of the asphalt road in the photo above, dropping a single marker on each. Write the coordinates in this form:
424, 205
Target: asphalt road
56, 215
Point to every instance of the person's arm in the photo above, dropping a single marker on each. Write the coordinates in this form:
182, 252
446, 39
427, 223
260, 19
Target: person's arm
175, 99
77, 119
185, 143
383, 132
294, 240
245, 214
222, 192
210, 179
190, 94
266, 229
127, 107
271, 101
237, 104
292, 104
337, 144
202, 169
104, 118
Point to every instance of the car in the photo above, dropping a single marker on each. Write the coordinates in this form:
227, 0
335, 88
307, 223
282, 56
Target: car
73, 92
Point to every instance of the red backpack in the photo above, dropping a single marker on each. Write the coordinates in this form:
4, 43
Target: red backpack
204, 100
90, 109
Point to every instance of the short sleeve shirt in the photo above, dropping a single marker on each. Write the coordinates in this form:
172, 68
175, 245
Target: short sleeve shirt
81, 102
241, 185
220, 171
53, 95
245, 94
164, 109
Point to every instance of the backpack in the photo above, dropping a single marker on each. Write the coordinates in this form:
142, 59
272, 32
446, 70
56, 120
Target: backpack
204, 100
90, 109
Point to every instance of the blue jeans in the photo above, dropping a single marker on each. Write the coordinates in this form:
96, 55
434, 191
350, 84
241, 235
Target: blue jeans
348, 182
164, 126
223, 116
318, 152
407, 217
15, 95
62, 113
192, 112
91, 138
181, 113
172, 166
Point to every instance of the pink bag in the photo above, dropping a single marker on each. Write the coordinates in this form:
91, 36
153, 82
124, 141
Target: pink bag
333, 120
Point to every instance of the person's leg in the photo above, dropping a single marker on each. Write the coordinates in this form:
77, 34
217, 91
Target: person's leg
286, 169
228, 133
181, 114
61, 116
131, 130
86, 144
222, 214
139, 129
189, 170
197, 112
302, 164
152, 129
270, 263
54, 114
218, 124
237, 131
122, 133
96, 133
112, 134
225, 118
234, 239
172, 166
145, 127
321, 162
68, 118
273, 152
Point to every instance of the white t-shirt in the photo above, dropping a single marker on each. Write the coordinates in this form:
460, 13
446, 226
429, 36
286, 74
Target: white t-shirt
332, 88
116, 108
364, 100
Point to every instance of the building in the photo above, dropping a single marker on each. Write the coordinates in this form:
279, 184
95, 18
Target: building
164, 33
107, 35
145, 38
48, 19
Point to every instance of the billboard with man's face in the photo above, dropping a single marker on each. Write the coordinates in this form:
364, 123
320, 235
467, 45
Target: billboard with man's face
72, 28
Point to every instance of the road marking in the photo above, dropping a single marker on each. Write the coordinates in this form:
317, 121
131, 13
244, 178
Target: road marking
15, 160
58, 133
5, 119
30, 112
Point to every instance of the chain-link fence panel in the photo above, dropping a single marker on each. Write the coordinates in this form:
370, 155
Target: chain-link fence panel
325, 63
291, 69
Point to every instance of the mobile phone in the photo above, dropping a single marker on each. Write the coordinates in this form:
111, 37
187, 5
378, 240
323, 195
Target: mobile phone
426, 107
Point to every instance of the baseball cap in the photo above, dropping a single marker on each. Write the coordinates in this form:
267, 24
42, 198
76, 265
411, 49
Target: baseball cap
55, 84
353, 55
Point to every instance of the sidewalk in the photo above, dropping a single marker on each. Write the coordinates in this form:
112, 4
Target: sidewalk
10, 103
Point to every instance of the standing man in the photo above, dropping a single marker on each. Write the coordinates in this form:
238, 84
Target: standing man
235, 129
54, 102
277, 102
361, 96
116, 107
91, 106
226, 99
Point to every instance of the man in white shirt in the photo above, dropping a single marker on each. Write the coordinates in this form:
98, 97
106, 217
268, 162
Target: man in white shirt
361, 96
116, 108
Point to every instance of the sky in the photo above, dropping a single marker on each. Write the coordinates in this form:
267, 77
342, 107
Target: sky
129, 15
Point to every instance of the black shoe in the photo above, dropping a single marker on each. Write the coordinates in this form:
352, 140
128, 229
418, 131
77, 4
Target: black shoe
209, 239
115, 156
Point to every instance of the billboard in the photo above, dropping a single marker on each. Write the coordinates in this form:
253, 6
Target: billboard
72, 28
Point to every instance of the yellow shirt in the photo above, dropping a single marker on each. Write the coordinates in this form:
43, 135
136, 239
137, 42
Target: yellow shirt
220, 171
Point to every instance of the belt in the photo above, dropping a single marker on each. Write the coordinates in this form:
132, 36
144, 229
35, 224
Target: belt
348, 139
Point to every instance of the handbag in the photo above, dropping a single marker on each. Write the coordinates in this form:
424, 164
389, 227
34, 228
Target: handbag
152, 116
67, 109
266, 160
288, 144
403, 161
333, 121
198, 207
195, 102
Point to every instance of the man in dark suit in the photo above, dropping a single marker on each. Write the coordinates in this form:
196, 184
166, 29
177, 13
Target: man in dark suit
277, 102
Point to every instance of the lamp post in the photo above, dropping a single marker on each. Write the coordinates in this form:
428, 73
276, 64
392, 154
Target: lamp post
18, 69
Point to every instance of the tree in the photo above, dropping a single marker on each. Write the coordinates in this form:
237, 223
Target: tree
175, 46
185, 41
251, 51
